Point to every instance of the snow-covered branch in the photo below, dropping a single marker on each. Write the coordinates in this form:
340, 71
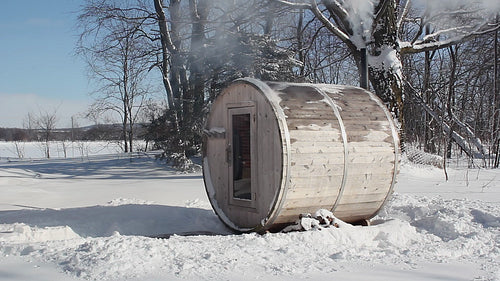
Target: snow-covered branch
435, 36
403, 14
313, 7
339, 9
294, 5
430, 45
327, 23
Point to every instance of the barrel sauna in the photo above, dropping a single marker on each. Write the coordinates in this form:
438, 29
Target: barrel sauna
274, 150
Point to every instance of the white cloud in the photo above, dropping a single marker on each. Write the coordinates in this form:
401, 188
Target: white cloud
14, 109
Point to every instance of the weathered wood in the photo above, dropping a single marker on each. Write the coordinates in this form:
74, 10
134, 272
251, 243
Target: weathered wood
314, 146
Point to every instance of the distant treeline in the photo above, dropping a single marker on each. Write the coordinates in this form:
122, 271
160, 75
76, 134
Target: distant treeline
90, 133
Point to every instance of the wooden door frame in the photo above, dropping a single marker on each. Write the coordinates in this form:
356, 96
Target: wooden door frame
236, 109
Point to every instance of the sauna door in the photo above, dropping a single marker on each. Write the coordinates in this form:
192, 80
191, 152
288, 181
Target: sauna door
241, 155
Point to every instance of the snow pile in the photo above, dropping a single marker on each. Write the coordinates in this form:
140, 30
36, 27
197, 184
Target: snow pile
22, 233
452, 228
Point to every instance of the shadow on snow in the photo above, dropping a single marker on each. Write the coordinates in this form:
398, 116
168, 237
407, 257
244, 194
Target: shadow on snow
144, 220
98, 167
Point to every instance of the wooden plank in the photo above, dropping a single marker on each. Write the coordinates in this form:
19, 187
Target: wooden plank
373, 134
313, 124
358, 207
317, 159
370, 119
299, 109
331, 182
357, 198
311, 191
371, 178
304, 147
331, 135
351, 192
308, 106
363, 168
370, 136
373, 158
311, 202
320, 170
370, 144
351, 210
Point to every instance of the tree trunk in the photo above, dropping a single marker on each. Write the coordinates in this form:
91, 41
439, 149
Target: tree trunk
495, 131
385, 67
124, 134
429, 145
451, 87
194, 98
165, 46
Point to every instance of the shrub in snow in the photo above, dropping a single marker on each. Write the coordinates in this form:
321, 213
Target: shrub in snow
182, 163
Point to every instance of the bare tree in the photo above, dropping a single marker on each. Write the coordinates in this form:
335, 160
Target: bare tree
116, 52
45, 124
378, 25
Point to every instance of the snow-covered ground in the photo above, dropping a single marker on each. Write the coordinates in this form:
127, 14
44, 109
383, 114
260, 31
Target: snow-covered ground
59, 149
99, 218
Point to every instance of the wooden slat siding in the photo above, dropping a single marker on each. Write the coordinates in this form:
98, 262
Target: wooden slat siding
317, 147
363, 198
362, 168
306, 125
355, 211
314, 136
371, 157
313, 181
376, 157
314, 128
367, 139
310, 201
323, 158
324, 115
316, 170
314, 106
311, 191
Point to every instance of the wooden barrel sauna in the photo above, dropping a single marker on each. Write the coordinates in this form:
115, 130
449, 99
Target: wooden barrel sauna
273, 151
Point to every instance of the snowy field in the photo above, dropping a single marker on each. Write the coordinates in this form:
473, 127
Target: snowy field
99, 218
58, 149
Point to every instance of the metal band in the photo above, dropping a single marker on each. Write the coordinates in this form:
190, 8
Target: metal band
332, 104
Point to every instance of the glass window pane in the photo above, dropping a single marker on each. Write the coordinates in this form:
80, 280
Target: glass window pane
241, 157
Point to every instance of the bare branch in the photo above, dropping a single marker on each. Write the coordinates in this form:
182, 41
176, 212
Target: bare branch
403, 15
294, 5
328, 24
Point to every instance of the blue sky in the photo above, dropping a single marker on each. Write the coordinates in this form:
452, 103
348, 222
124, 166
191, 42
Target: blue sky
38, 68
